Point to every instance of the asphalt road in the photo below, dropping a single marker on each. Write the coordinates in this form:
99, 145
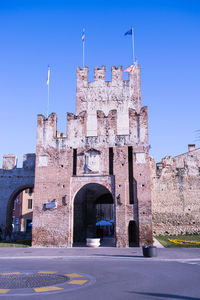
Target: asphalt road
108, 278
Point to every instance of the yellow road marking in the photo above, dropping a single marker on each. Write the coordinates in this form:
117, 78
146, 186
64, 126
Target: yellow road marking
47, 272
73, 275
4, 291
47, 289
77, 282
11, 273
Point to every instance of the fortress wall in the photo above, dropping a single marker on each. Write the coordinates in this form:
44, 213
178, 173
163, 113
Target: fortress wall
12, 181
175, 189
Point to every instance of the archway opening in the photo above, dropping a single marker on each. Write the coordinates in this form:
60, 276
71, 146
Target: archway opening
93, 215
133, 234
20, 214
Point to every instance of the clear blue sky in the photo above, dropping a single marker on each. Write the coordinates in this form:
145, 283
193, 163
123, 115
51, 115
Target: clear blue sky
36, 33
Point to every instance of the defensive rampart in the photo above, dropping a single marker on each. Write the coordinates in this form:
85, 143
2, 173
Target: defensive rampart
12, 181
175, 187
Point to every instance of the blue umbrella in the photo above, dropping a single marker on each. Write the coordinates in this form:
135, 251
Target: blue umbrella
103, 223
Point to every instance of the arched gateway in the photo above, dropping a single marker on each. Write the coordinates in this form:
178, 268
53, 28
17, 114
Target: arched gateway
10, 206
13, 180
93, 204
106, 144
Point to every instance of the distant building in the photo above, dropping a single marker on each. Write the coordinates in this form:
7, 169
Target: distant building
23, 212
27, 210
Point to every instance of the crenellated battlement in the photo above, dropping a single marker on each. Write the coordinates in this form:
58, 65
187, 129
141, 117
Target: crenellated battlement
100, 73
117, 73
105, 126
76, 124
104, 109
106, 95
10, 161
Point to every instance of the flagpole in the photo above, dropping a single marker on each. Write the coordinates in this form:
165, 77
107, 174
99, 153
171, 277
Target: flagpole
83, 53
48, 79
138, 96
83, 39
133, 43
48, 102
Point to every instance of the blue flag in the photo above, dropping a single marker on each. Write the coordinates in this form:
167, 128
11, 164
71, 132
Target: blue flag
130, 32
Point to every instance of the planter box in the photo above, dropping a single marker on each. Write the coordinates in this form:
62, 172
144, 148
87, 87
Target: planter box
149, 251
93, 242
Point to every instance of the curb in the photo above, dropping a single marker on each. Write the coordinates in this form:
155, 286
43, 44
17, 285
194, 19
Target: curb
139, 258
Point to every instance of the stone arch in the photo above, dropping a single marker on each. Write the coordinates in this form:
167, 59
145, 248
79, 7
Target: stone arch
10, 206
12, 181
84, 209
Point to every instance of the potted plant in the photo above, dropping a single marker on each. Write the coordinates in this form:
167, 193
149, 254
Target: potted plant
149, 250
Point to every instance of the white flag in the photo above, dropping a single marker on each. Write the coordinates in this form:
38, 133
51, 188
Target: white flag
48, 76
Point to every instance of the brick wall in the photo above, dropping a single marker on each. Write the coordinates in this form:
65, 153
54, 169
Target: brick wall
176, 193
12, 181
109, 115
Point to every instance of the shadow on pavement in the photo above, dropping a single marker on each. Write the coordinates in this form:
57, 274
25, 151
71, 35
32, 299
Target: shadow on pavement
160, 295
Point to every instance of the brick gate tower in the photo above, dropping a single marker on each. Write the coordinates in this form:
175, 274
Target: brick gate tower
103, 158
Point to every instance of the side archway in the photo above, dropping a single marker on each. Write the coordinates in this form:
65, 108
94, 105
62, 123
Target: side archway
92, 203
10, 206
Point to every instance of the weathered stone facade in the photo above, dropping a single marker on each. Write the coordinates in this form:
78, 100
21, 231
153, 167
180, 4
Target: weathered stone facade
104, 155
175, 195
13, 180
103, 158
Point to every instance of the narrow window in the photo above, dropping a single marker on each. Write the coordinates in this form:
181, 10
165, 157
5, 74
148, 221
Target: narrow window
74, 161
30, 203
130, 174
110, 161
